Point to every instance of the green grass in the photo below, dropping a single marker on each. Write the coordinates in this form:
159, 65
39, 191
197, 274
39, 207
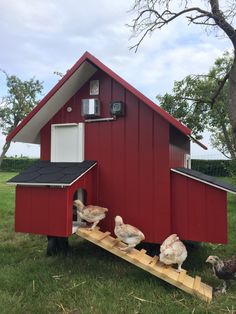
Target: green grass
91, 280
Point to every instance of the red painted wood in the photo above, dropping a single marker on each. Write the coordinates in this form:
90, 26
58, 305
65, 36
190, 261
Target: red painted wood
125, 150
179, 148
41, 210
57, 212
146, 170
216, 203
161, 222
198, 210
132, 194
179, 206
177, 156
23, 210
117, 151
48, 211
45, 139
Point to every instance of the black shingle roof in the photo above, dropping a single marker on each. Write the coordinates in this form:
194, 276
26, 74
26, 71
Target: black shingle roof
52, 173
208, 179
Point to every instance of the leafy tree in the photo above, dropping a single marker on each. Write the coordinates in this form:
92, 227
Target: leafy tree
215, 15
192, 103
20, 100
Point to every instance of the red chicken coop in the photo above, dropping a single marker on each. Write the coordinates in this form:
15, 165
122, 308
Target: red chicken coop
103, 141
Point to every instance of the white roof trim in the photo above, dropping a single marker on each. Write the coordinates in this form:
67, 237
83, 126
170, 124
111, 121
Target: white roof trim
203, 181
40, 184
53, 184
30, 133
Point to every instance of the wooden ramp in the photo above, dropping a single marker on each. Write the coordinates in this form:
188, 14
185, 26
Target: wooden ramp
151, 264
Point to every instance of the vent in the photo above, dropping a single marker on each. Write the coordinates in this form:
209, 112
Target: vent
90, 108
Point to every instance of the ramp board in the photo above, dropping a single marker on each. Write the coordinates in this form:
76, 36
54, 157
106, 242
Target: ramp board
150, 264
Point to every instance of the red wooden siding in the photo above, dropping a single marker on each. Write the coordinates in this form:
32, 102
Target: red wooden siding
48, 210
179, 147
198, 211
133, 158
128, 152
38, 212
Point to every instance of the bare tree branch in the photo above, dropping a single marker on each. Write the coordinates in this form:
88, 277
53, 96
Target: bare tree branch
221, 21
151, 17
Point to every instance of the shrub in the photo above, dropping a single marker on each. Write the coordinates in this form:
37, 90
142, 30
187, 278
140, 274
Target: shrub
217, 168
17, 164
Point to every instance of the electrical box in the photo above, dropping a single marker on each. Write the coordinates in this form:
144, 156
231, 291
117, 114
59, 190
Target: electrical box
117, 108
90, 108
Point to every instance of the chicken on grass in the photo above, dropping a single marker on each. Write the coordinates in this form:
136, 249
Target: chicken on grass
225, 270
92, 214
173, 251
127, 234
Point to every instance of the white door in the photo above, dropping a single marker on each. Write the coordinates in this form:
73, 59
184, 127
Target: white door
67, 142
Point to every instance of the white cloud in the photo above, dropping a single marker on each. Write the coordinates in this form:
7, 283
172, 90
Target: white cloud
38, 37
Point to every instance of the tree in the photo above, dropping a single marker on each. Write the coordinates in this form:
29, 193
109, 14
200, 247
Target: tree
192, 103
156, 14
20, 100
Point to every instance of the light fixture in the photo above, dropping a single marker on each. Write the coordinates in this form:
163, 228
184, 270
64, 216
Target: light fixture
117, 108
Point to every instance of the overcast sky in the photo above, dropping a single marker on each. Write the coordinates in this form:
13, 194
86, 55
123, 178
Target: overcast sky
39, 37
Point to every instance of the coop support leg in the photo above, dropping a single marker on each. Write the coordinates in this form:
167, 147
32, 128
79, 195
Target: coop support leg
57, 245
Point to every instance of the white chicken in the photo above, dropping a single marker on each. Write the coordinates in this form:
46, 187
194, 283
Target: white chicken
173, 251
127, 233
92, 214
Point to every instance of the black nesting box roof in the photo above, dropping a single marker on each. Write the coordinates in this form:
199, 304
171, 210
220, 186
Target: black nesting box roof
53, 173
207, 179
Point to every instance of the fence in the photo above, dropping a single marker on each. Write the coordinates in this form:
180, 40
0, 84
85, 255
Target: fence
218, 168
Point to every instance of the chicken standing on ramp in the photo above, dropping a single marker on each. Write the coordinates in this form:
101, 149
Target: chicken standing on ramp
127, 233
173, 251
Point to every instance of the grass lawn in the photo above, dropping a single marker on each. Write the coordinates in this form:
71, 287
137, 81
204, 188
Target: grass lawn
91, 280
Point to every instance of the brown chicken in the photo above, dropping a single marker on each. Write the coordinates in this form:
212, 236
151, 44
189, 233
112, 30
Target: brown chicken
173, 251
92, 214
127, 233
225, 270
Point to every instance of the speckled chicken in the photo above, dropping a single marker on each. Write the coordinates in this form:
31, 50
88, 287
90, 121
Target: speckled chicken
92, 214
173, 251
127, 234
225, 270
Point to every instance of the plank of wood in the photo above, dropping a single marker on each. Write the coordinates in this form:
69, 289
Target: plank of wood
197, 283
115, 242
182, 276
154, 260
103, 236
205, 292
148, 263
140, 254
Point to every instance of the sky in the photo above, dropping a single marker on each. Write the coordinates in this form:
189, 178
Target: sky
39, 37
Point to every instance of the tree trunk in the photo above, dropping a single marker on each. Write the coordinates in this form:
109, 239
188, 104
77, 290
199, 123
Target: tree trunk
228, 142
4, 150
232, 99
